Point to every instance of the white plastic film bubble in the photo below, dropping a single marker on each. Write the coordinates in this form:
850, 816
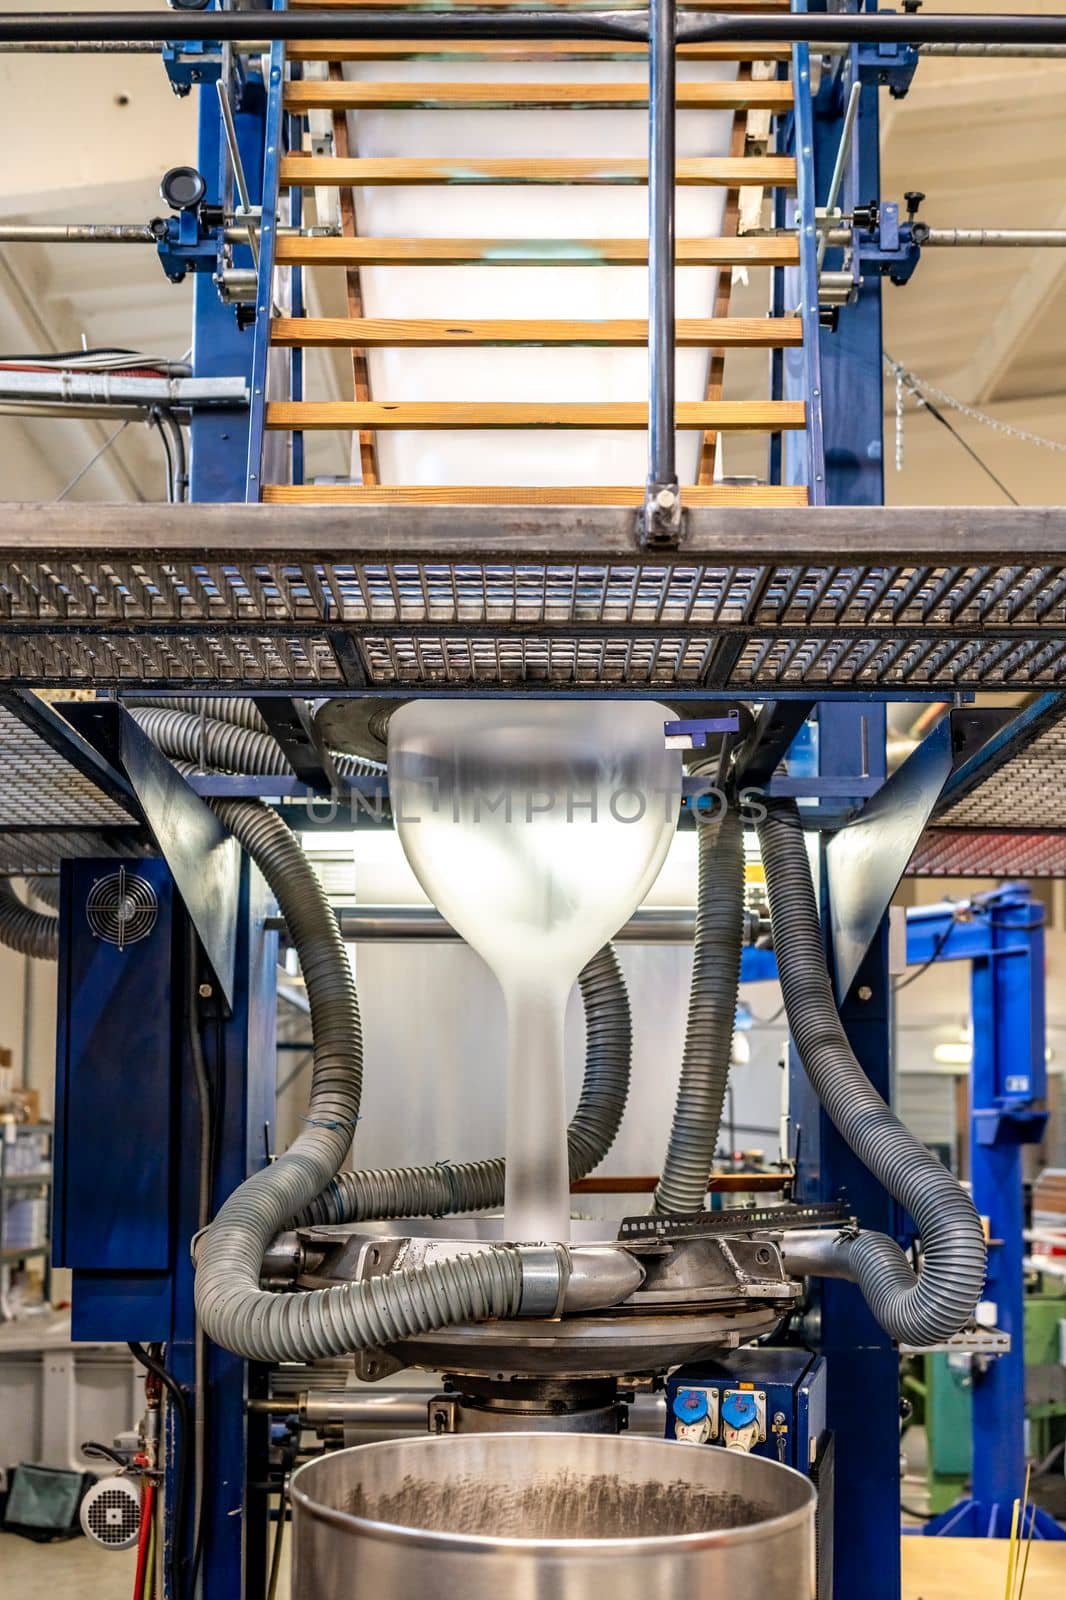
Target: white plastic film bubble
536, 827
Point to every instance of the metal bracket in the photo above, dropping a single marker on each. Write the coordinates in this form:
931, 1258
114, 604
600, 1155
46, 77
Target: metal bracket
193, 62
866, 859
300, 738
659, 524
890, 65
691, 733
731, 1220
204, 859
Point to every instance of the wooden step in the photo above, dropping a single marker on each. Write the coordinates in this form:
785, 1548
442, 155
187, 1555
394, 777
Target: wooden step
732, 416
781, 250
728, 172
762, 94
431, 333
519, 50
390, 494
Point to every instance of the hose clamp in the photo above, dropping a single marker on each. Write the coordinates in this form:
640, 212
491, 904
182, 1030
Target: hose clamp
545, 1275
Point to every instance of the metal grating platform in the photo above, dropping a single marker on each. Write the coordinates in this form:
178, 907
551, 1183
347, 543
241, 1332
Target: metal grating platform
982, 853
453, 598
1027, 787
37, 785
57, 797
1003, 814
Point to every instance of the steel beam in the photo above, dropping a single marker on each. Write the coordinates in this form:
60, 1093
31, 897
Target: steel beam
841, 534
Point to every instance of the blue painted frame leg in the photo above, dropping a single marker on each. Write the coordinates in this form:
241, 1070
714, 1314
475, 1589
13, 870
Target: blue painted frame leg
240, 1056
1007, 1087
863, 1366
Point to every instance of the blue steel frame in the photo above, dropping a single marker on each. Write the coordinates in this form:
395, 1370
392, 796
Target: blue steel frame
1004, 941
796, 374
1002, 935
840, 459
124, 1225
221, 346
273, 146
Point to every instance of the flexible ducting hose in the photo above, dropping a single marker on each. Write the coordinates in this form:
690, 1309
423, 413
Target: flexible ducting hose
445, 1187
233, 1310
240, 711
917, 1309
712, 1010
228, 745
31, 933
448, 1187
45, 889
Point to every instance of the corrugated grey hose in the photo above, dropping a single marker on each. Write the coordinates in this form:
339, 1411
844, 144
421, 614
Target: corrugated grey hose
226, 745
243, 713
712, 1011
443, 1188
31, 933
476, 1185
233, 1310
920, 1309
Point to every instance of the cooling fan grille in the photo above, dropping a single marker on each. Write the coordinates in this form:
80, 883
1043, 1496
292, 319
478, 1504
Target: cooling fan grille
111, 1513
122, 908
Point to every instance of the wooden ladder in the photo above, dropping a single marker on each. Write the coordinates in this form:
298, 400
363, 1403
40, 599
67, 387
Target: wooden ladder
751, 99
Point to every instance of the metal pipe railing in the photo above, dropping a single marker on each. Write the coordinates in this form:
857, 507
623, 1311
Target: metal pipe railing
662, 512
145, 47
695, 27
400, 924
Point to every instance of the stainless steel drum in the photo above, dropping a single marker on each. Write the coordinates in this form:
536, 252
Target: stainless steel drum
541, 1516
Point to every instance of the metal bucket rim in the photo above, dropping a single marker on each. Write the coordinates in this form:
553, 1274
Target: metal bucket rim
392, 1532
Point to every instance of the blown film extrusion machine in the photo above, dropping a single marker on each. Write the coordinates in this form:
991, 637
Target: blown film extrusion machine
536, 650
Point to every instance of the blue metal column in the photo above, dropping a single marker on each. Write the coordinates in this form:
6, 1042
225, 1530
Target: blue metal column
241, 1062
1008, 1084
863, 1365
851, 377
222, 347
274, 138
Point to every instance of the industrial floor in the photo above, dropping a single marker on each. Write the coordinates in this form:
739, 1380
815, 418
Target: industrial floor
976, 1569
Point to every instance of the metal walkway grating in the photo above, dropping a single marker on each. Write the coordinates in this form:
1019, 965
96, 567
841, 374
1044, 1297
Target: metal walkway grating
1029, 786
57, 798
1004, 812
982, 853
384, 597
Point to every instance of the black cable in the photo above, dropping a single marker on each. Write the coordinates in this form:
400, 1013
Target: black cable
94, 1449
181, 1407
914, 388
156, 422
177, 438
764, 1022
938, 951
921, 1516
934, 411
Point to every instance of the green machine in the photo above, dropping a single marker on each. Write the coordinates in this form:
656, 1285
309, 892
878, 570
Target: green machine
942, 1394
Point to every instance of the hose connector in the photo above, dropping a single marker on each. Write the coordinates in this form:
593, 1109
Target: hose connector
545, 1275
